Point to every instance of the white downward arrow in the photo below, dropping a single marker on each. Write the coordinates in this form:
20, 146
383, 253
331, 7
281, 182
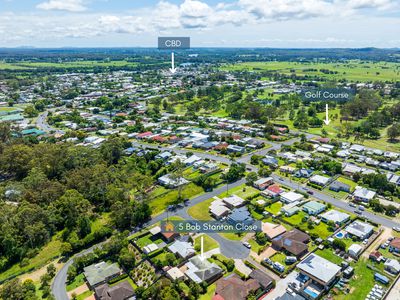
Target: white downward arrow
173, 69
327, 121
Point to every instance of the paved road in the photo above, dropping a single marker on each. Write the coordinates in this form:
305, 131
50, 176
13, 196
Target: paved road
41, 123
58, 286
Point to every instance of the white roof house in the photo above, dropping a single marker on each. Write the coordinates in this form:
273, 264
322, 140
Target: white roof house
150, 248
351, 169
335, 216
360, 229
183, 249
175, 274
168, 181
199, 270
392, 265
320, 180
319, 269
363, 194
357, 148
290, 197
355, 250
191, 160
218, 208
234, 201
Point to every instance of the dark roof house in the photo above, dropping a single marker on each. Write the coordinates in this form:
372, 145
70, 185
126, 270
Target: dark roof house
234, 288
121, 291
294, 242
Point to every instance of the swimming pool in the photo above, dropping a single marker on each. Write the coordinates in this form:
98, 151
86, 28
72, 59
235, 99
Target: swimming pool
311, 293
339, 235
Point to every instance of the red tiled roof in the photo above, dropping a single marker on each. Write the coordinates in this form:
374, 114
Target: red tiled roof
274, 188
395, 243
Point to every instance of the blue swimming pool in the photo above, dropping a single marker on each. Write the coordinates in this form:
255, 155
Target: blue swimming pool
340, 235
311, 293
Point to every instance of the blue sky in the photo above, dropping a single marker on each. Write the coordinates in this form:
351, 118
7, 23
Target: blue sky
210, 23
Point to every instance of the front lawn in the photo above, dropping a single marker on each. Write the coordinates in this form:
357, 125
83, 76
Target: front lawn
208, 243
78, 281
200, 210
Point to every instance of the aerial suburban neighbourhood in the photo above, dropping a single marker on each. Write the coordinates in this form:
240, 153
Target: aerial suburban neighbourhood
248, 172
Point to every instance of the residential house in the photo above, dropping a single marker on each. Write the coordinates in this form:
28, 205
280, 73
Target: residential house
234, 201
303, 173
200, 270
360, 230
263, 183
175, 274
335, 216
170, 182
100, 273
120, 291
375, 256
273, 230
392, 266
290, 209
363, 194
294, 242
355, 250
240, 215
319, 180
270, 161
218, 209
272, 191
394, 245
235, 149
314, 208
234, 288
291, 197
320, 270
265, 281
182, 249
338, 186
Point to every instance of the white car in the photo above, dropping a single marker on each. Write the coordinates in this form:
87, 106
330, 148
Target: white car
247, 245
396, 229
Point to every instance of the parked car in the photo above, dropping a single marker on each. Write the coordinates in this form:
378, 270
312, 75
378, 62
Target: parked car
310, 192
396, 229
247, 245
360, 207
352, 204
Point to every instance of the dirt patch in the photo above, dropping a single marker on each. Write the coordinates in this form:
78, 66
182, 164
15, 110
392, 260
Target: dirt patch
387, 233
35, 275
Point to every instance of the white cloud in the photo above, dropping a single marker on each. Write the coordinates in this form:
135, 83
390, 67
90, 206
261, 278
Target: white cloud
196, 18
66, 5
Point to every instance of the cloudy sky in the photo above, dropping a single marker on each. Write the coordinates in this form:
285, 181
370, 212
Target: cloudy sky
210, 23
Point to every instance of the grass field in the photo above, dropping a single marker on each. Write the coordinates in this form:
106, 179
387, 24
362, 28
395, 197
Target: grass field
46, 254
209, 243
78, 281
200, 211
353, 71
274, 208
210, 292
162, 197
242, 191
